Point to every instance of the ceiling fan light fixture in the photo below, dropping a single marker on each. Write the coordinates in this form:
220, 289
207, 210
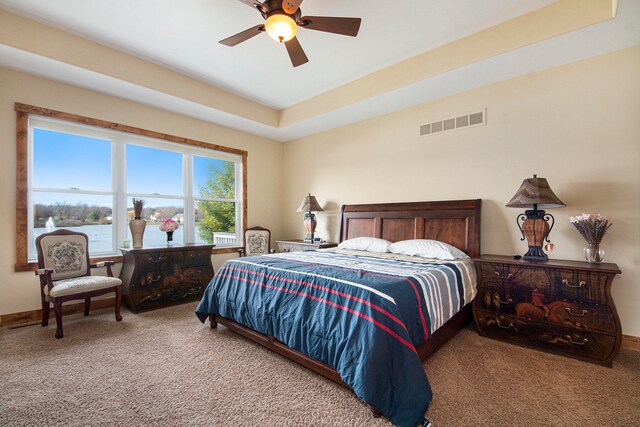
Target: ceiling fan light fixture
281, 28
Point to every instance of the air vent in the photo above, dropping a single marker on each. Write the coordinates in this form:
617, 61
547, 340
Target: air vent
446, 125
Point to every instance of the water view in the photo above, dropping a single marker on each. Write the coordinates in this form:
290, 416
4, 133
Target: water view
101, 236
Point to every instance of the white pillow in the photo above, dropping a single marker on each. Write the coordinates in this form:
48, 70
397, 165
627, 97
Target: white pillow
369, 244
427, 249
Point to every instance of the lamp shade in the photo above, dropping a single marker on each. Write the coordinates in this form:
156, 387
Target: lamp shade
310, 204
535, 193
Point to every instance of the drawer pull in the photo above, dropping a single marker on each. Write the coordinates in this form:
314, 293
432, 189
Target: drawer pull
509, 326
151, 281
568, 310
584, 340
569, 284
507, 277
160, 259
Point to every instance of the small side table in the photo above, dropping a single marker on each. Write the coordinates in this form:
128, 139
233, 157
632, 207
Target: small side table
295, 245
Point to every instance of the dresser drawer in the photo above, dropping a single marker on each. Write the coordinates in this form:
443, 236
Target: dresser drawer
580, 286
197, 258
589, 317
158, 260
292, 247
582, 344
508, 283
153, 298
547, 336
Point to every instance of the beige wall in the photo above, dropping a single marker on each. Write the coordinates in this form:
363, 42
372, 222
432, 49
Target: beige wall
19, 291
576, 125
582, 119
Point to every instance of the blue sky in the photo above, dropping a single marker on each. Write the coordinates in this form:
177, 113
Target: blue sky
65, 161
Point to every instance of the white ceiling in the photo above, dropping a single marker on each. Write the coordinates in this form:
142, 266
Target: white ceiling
183, 36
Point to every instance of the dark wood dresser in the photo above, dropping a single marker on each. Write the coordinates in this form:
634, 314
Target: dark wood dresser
563, 307
160, 276
301, 245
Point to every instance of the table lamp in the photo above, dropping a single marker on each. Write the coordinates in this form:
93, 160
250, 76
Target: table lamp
535, 193
310, 205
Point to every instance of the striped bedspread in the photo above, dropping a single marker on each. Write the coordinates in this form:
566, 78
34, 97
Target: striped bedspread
359, 312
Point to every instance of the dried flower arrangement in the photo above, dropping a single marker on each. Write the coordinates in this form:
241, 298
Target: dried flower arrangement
138, 205
592, 227
169, 224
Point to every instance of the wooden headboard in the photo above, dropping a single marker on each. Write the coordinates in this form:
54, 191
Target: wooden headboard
456, 222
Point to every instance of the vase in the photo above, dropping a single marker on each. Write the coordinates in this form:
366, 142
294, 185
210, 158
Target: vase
137, 231
169, 238
594, 253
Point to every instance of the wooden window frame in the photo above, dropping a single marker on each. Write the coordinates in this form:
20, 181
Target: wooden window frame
22, 172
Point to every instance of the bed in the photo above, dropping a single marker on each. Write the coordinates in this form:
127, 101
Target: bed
361, 319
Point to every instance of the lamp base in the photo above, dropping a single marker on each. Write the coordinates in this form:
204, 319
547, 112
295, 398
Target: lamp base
310, 224
535, 228
535, 253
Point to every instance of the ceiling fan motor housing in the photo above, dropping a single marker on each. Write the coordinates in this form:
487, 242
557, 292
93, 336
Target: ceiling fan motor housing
274, 7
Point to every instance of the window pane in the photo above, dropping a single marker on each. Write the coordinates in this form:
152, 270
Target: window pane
213, 179
216, 223
62, 160
153, 171
155, 210
83, 213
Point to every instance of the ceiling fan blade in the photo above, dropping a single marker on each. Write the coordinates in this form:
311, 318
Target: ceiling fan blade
296, 53
330, 24
291, 6
242, 36
254, 4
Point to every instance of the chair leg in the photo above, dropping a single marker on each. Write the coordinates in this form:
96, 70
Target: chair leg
118, 303
87, 306
58, 310
45, 312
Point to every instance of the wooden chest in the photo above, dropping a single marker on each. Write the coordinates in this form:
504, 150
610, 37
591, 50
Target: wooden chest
160, 276
564, 307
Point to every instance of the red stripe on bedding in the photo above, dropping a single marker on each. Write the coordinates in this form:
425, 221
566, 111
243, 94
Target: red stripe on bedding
327, 302
422, 319
333, 291
425, 329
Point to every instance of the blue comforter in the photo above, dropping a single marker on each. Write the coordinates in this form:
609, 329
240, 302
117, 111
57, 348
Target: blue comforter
364, 316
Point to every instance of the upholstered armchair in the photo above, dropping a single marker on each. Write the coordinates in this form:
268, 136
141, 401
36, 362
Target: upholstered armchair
257, 241
65, 274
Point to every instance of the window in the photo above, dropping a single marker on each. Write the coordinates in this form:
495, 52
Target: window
84, 178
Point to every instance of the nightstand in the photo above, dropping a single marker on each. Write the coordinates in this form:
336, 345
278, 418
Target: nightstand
562, 307
300, 245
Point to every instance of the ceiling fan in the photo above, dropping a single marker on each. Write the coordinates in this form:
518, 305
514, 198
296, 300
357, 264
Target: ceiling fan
282, 19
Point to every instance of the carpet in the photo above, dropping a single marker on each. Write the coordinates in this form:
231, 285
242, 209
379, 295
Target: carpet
165, 368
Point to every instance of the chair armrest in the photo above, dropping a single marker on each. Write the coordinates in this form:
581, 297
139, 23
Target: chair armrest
46, 284
272, 251
101, 264
241, 252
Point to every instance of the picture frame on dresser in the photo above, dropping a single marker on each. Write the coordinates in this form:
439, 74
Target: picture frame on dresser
558, 306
